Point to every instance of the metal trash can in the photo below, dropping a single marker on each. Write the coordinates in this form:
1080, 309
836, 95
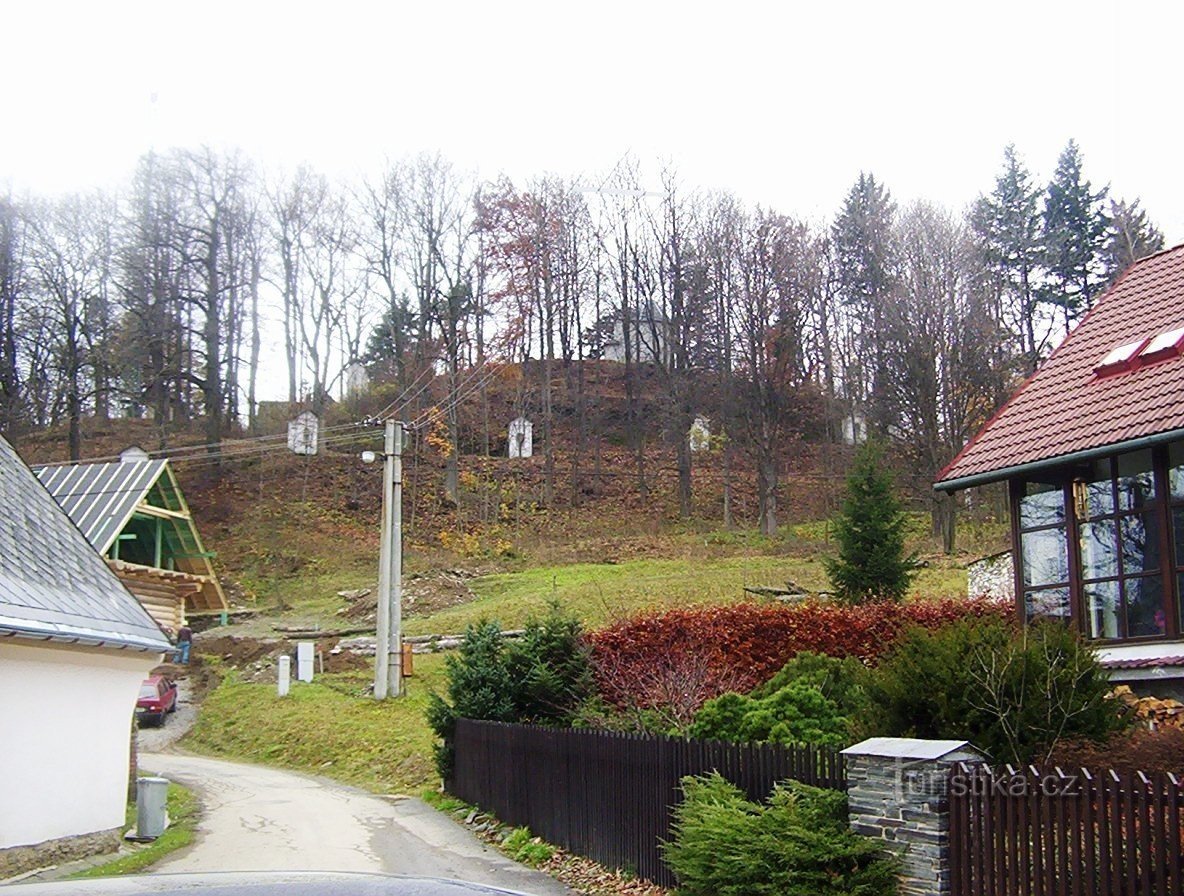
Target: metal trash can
151, 807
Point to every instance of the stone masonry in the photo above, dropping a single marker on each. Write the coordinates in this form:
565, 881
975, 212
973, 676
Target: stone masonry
896, 792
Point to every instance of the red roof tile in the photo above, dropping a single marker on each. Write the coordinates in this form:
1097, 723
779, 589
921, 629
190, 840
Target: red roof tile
1065, 407
1149, 662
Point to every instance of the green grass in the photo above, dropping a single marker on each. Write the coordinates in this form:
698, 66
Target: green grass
603, 593
183, 814
329, 727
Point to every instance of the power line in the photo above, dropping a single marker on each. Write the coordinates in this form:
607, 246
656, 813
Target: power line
460, 393
164, 453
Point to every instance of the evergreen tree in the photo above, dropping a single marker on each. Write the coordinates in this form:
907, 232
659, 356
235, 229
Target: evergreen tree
870, 531
1075, 225
1131, 236
865, 259
1007, 224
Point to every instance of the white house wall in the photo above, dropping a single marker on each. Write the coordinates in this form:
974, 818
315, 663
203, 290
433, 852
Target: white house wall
64, 740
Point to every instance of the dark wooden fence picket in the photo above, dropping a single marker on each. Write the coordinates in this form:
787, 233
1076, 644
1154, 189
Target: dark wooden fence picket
1054, 832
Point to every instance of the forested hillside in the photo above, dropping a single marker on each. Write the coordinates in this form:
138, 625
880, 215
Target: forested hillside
612, 311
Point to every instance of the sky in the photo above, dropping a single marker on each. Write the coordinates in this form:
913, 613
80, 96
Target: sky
782, 104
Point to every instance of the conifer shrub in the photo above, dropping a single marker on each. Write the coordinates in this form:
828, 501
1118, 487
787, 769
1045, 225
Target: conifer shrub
870, 531
796, 844
814, 699
541, 678
1011, 692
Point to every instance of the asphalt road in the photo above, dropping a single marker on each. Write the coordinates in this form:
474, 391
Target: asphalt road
261, 819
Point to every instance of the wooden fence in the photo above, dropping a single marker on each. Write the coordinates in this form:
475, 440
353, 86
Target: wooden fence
1042, 833
609, 797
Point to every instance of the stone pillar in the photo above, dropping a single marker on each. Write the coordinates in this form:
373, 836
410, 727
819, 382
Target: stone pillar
896, 792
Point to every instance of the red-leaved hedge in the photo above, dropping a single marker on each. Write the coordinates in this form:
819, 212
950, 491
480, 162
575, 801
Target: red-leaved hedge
693, 655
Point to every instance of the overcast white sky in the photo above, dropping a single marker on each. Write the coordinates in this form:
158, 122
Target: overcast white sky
780, 103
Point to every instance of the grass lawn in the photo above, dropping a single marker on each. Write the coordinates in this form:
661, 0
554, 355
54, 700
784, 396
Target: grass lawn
329, 727
601, 593
183, 814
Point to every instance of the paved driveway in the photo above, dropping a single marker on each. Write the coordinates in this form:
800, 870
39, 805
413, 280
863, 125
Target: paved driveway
258, 818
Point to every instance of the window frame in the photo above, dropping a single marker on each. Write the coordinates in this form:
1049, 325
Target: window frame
1162, 507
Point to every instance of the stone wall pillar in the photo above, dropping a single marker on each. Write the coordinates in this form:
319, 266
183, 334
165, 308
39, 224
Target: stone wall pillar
896, 792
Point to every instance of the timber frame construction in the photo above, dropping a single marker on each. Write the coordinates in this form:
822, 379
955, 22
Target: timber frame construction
134, 515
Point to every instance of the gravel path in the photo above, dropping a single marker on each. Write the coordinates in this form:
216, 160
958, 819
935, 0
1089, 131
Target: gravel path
161, 737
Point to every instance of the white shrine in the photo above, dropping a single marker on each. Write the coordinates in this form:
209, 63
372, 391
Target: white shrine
699, 436
357, 380
304, 433
521, 438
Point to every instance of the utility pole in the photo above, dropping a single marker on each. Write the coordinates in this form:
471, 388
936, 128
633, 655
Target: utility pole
388, 665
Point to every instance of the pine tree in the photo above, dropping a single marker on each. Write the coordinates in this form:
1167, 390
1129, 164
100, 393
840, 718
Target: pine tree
1075, 225
870, 531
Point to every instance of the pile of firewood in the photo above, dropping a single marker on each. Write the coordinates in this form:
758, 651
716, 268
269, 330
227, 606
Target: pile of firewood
1151, 712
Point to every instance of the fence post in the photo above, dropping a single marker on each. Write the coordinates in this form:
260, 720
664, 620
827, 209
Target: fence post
897, 792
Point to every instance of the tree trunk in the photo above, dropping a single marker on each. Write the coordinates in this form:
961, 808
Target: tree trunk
767, 491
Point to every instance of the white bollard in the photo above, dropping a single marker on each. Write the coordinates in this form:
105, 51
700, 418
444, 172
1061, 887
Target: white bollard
285, 679
304, 659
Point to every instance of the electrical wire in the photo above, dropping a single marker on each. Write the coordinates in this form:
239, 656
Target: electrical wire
162, 453
466, 387
403, 398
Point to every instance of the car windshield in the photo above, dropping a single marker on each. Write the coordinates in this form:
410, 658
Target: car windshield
147, 690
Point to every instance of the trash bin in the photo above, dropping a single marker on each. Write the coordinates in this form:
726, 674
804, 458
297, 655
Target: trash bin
151, 801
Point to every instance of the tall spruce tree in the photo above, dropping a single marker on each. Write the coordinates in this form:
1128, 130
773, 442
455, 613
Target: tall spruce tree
1075, 225
1008, 228
870, 530
865, 259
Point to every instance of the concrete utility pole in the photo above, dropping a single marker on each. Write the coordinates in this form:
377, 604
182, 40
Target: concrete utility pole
388, 665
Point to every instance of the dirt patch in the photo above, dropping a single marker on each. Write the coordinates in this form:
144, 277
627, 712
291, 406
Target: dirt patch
424, 593
257, 659
239, 651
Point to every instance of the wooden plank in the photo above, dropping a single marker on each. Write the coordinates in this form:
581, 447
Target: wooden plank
1161, 834
1175, 863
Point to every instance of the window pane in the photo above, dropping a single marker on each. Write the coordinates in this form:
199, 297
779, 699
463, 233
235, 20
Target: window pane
1136, 484
1046, 557
1178, 530
1176, 469
1042, 505
1179, 599
1144, 606
1101, 601
1139, 540
1047, 603
1099, 550
1095, 496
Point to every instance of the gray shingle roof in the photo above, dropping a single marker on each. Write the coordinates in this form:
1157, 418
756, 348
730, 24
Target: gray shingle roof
53, 584
100, 498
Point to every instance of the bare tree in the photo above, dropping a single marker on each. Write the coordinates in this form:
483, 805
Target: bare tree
13, 284
780, 266
71, 259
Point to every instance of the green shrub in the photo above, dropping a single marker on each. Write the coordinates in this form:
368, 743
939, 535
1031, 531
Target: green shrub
807, 702
524, 847
1012, 694
541, 678
798, 844
870, 531
551, 669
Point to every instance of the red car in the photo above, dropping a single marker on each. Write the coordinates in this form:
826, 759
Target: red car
158, 697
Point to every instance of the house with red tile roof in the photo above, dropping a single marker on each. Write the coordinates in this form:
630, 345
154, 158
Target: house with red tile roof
1092, 449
